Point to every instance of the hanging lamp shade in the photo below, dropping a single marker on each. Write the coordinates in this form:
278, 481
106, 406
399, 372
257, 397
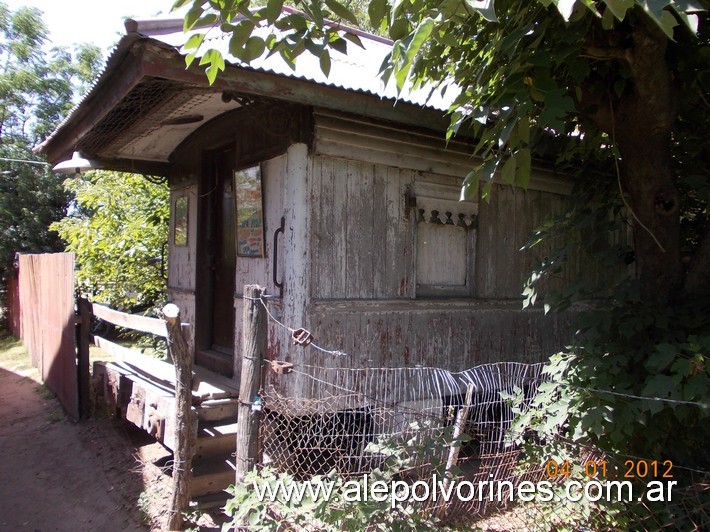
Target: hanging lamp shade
77, 164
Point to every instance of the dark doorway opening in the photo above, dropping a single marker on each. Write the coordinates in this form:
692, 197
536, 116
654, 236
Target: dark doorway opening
216, 330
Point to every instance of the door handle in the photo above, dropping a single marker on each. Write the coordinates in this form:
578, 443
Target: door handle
281, 230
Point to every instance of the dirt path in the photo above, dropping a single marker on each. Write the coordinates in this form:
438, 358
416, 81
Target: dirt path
102, 474
58, 475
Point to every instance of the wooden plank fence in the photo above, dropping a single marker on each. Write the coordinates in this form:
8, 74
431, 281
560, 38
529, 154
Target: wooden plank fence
43, 311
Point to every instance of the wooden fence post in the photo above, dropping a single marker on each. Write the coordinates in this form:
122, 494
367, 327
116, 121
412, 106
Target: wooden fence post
459, 427
84, 328
253, 350
184, 439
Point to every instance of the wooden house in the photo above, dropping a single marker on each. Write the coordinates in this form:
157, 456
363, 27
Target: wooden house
338, 195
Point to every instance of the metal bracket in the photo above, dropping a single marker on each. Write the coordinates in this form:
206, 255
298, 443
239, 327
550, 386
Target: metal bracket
281, 368
302, 337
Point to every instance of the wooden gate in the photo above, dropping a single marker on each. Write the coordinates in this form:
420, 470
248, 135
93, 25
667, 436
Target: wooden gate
46, 308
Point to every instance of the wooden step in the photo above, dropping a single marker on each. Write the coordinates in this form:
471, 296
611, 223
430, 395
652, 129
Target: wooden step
217, 409
215, 439
211, 475
207, 384
214, 500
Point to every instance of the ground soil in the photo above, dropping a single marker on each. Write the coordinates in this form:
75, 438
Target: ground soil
102, 474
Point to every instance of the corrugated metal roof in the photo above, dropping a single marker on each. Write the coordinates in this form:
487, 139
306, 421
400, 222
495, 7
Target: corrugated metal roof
358, 70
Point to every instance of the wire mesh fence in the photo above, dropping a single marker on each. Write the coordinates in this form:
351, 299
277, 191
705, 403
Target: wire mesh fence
455, 448
432, 420
446, 438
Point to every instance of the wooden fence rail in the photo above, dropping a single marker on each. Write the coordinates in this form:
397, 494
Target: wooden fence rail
130, 321
178, 378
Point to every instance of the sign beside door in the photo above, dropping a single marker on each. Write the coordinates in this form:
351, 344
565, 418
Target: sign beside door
250, 212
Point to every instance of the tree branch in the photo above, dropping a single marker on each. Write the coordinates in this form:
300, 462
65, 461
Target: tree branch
607, 53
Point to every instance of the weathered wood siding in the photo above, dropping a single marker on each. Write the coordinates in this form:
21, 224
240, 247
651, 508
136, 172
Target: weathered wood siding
505, 224
364, 226
260, 270
369, 183
182, 260
450, 334
361, 234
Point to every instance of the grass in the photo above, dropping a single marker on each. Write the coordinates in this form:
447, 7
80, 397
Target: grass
14, 358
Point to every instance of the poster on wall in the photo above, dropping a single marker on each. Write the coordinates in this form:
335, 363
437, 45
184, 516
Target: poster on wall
250, 212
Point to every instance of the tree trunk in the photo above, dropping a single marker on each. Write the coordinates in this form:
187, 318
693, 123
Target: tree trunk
641, 122
652, 196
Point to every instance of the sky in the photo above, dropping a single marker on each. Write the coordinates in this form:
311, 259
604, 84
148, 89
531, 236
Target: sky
98, 22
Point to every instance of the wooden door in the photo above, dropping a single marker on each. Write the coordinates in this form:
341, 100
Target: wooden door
224, 257
216, 323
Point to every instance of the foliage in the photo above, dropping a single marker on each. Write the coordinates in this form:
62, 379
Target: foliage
118, 231
36, 90
666, 357
635, 385
343, 510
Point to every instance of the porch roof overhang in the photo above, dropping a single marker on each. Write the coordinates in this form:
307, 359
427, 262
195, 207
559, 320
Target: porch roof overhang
145, 103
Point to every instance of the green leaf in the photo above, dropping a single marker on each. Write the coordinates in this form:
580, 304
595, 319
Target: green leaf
558, 105
313, 9
294, 21
523, 171
273, 10
691, 20
660, 386
662, 17
312, 47
619, 7
565, 7
664, 355
194, 42
353, 39
240, 35
508, 170
608, 20
485, 8
339, 44
191, 17
377, 11
253, 48
325, 62
469, 189
341, 11
524, 129
486, 172
395, 9
419, 37
398, 29
213, 58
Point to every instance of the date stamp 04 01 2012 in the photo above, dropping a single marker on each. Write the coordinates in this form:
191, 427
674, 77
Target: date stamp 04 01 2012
632, 469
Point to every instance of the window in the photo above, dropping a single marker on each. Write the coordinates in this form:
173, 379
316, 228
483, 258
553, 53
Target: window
445, 241
181, 220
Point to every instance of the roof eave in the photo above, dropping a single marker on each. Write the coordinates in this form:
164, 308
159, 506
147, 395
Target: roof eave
137, 56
